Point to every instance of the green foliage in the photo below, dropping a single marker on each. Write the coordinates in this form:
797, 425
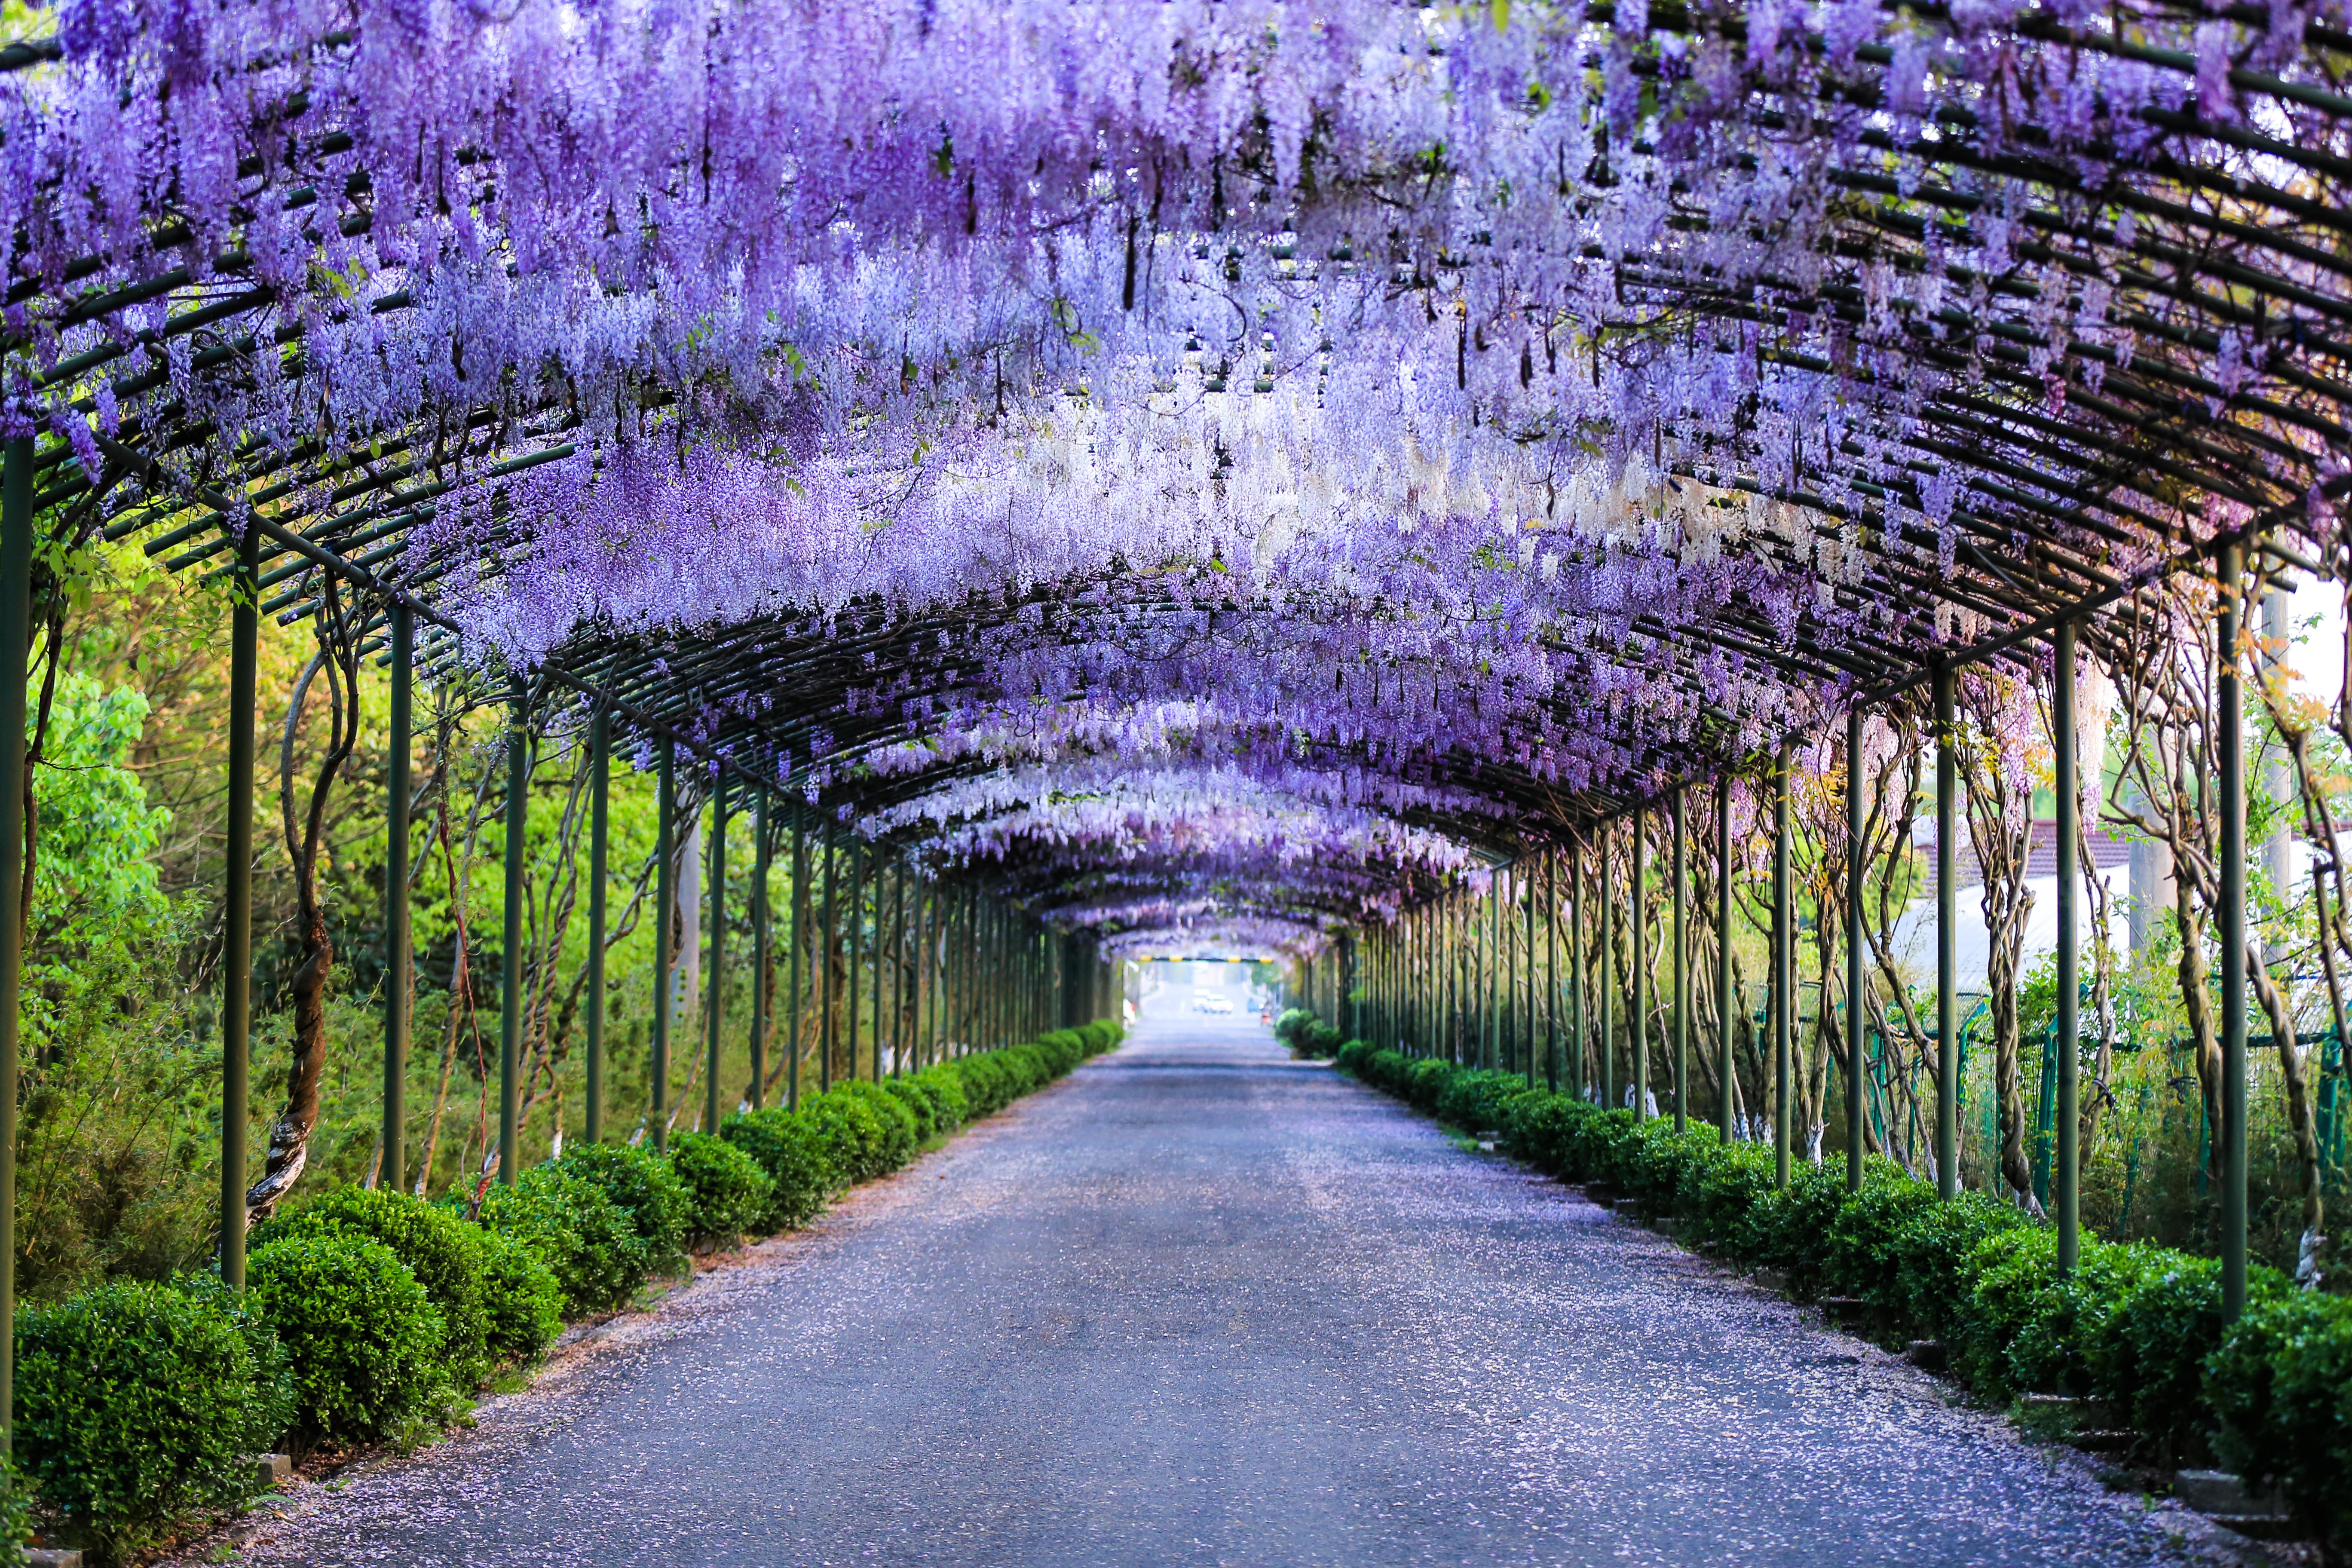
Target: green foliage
944, 1091
1786, 1225
586, 1240
1930, 1253
1861, 1260
521, 1299
858, 1142
95, 882
2006, 1274
2051, 1351
1721, 1194
438, 1247
1474, 1101
789, 1146
728, 1190
2148, 1356
2280, 1384
15, 1510
641, 1184
136, 1402
362, 1337
1293, 1019
918, 1105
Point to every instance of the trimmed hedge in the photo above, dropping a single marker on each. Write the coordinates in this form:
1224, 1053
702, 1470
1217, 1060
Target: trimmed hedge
369, 1314
788, 1146
436, 1246
587, 1241
642, 1185
2137, 1327
368, 1350
727, 1192
136, 1402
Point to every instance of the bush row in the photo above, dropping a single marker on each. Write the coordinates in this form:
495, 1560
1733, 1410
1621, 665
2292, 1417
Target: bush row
2139, 1328
1306, 1035
370, 1315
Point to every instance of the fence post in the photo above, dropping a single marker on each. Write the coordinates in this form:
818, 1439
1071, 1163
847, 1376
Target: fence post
1947, 1040
714, 1030
237, 940
510, 960
2065, 1179
761, 865
16, 656
1727, 1066
391, 1166
664, 896
1783, 949
2230, 742
1853, 982
600, 766
1682, 965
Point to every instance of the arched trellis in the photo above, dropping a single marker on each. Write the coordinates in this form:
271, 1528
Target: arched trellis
2067, 466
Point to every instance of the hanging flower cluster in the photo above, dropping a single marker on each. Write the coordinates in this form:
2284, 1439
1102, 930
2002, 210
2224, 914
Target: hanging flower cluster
1283, 454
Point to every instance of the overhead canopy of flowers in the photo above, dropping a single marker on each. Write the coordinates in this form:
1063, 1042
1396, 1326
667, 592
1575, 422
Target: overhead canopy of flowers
1216, 471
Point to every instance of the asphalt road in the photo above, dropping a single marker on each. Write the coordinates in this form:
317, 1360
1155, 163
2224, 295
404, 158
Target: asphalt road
1201, 1304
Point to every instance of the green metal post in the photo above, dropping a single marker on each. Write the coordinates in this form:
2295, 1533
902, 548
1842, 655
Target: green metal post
714, 1001
857, 944
2065, 1183
665, 937
762, 864
15, 658
1783, 947
1947, 1027
600, 823
797, 1045
1682, 966
392, 1165
830, 924
1637, 948
1608, 989
236, 937
1725, 1003
897, 965
1580, 1007
1853, 1008
1552, 969
510, 960
2230, 742
1527, 1026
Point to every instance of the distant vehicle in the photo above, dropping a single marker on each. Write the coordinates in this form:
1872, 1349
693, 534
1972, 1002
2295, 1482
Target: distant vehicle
1212, 1004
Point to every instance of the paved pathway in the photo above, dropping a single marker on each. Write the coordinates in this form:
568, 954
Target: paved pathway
1203, 1305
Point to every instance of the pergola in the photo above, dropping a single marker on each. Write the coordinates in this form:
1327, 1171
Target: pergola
2058, 334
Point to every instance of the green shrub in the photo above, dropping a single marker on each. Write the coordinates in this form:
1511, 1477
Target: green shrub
1930, 1250
137, 1400
521, 1298
1320, 1040
788, 1147
1472, 1101
2147, 1356
1543, 1129
1720, 1195
1860, 1257
1100, 1035
853, 1138
1286, 1026
1786, 1225
15, 1510
987, 1083
586, 1240
945, 1092
2051, 1351
436, 1246
1656, 1159
2005, 1275
1426, 1083
727, 1192
642, 1185
2280, 1386
362, 1336
918, 1105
